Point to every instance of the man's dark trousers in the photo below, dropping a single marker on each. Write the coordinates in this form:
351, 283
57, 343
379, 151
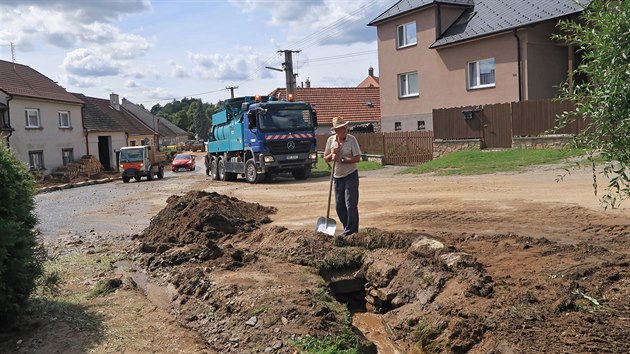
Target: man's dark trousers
346, 202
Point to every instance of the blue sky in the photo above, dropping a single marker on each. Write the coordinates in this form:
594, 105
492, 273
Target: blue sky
152, 51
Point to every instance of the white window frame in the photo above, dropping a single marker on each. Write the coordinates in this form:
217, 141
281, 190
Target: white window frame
70, 155
63, 124
28, 118
36, 160
402, 34
404, 87
473, 68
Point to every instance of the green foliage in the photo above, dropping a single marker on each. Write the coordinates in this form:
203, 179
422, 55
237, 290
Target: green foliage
187, 114
475, 162
426, 335
345, 343
323, 169
602, 40
19, 266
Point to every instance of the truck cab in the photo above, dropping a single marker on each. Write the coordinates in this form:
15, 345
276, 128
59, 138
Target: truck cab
140, 161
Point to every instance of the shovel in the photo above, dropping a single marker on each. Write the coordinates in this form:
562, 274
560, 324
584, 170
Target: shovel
326, 224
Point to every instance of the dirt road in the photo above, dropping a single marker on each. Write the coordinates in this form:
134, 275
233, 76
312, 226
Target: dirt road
536, 245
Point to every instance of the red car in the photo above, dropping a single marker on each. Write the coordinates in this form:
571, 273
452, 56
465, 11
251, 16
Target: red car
186, 161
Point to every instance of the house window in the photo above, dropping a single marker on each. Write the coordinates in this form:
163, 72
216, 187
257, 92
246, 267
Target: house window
36, 160
481, 74
406, 34
397, 126
32, 118
67, 155
132, 143
408, 84
420, 125
64, 119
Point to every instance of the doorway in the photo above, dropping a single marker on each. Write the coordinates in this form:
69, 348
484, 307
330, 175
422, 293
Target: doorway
104, 151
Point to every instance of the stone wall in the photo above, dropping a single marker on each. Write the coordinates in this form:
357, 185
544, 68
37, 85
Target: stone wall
543, 142
445, 147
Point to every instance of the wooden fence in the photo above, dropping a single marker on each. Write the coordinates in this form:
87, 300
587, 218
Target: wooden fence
496, 124
397, 148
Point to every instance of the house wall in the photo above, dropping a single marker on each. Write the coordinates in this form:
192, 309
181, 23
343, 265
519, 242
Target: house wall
442, 72
118, 140
546, 63
139, 138
49, 138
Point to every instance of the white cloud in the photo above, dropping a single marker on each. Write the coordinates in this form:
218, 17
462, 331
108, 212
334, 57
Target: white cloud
87, 62
178, 70
158, 94
227, 67
85, 11
131, 84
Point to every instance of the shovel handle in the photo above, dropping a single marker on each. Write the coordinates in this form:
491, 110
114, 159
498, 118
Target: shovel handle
332, 175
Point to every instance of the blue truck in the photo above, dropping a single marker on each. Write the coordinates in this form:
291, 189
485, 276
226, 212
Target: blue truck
258, 137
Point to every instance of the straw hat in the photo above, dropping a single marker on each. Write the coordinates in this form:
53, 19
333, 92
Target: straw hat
338, 122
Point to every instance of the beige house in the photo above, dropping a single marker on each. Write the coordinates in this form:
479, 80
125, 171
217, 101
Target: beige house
42, 122
109, 126
450, 53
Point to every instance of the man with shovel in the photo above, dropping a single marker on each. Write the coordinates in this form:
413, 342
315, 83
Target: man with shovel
343, 149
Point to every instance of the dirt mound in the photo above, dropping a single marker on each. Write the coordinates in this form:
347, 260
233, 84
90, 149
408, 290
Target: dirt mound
249, 287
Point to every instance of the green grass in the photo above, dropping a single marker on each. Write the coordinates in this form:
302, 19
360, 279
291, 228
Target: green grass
476, 162
322, 168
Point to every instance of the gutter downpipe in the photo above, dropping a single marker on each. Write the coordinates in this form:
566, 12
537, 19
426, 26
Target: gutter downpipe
9, 119
518, 59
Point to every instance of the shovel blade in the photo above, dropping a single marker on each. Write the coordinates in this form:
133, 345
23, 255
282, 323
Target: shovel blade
326, 225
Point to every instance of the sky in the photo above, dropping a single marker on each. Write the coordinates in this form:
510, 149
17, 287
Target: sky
154, 51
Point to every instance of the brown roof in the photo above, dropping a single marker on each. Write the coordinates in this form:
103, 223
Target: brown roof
99, 115
355, 104
21, 80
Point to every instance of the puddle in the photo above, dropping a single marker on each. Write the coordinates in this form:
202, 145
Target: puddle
159, 295
376, 331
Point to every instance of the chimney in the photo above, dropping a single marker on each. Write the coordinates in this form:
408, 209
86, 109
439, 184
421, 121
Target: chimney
113, 101
308, 83
371, 71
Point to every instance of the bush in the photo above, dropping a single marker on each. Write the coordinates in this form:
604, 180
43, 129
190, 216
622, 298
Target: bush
19, 267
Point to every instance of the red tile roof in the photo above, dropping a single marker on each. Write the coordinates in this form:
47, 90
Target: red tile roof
370, 81
354, 104
99, 115
21, 80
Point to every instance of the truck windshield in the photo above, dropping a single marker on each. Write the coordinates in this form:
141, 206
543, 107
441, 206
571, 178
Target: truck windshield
286, 120
131, 155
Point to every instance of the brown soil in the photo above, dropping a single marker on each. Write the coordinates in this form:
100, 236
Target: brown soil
507, 263
454, 290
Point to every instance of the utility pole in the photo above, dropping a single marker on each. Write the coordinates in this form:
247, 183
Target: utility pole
231, 88
288, 71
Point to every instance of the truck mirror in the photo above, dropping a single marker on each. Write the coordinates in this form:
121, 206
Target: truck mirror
315, 119
244, 106
251, 117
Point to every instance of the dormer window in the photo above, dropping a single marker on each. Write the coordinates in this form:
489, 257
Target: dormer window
406, 35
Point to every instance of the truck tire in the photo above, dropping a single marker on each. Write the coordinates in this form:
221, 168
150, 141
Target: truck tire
137, 178
125, 179
251, 175
221, 171
214, 175
301, 173
160, 173
150, 175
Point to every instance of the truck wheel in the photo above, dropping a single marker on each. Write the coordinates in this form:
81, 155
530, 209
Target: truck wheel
125, 179
137, 178
301, 173
251, 175
221, 171
160, 173
150, 175
213, 169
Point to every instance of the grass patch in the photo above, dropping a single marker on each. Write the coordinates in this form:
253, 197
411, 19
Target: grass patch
477, 162
345, 343
322, 168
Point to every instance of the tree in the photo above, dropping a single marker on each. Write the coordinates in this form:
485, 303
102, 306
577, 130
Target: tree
19, 266
602, 37
201, 121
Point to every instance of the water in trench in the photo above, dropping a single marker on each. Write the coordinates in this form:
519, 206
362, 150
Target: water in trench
351, 292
